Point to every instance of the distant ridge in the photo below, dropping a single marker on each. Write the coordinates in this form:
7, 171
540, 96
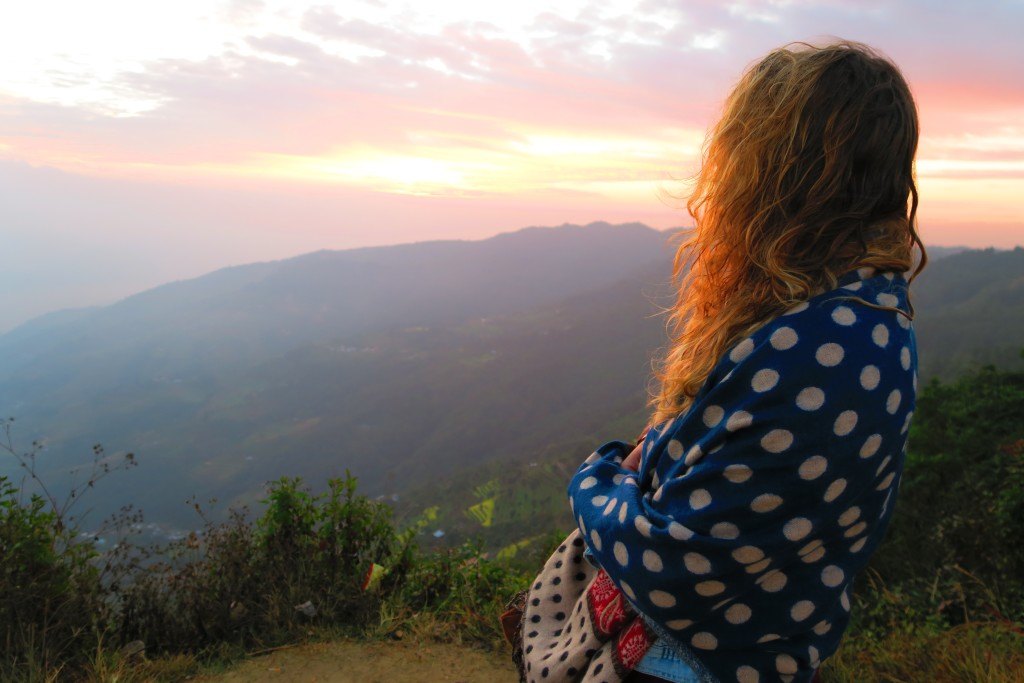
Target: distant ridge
401, 363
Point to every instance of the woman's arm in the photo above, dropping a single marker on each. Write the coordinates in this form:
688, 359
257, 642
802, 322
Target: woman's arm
775, 464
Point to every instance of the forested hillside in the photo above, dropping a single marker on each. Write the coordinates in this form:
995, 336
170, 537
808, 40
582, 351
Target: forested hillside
526, 348
972, 311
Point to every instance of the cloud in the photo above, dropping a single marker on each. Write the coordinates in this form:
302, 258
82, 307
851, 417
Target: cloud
344, 81
470, 118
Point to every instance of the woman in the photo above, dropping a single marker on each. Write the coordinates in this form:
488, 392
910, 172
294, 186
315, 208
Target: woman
769, 470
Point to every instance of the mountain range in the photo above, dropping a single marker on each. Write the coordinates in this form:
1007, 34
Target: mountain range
409, 365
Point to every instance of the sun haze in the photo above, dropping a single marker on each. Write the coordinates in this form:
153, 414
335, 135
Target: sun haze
141, 143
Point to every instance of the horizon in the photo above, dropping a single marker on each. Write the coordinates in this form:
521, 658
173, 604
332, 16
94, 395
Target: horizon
209, 136
5, 330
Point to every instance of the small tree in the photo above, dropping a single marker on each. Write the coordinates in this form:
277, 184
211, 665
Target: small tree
53, 597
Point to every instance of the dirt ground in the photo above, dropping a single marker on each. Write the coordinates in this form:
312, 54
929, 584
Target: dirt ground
375, 662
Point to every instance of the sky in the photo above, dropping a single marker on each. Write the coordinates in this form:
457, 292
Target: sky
145, 142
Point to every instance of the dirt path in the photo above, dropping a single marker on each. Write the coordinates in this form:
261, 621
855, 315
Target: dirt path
374, 662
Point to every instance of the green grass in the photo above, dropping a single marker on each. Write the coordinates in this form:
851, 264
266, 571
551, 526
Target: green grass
941, 600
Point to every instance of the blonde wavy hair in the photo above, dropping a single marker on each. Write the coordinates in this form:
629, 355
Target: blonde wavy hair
806, 176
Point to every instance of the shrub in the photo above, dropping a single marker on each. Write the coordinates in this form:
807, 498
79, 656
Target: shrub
300, 564
50, 594
941, 599
956, 530
455, 594
54, 594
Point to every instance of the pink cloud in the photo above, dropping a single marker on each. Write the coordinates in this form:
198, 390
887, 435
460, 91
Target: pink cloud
474, 92
229, 106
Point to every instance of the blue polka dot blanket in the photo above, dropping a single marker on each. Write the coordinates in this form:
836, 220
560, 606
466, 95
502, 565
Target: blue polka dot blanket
737, 541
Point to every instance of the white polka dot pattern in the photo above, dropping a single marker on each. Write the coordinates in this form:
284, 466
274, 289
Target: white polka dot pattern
887, 299
785, 664
830, 354
747, 674
662, 599
869, 377
880, 334
766, 502
777, 440
621, 554
758, 505
832, 576
704, 641
737, 613
679, 532
737, 473
797, 528
748, 554
739, 420
713, 415
696, 563
699, 499
845, 423
834, 490
726, 530
801, 610
652, 561
871, 445
810, 398
813, 467
708, 588
783, 338
741, 350
844, 315
764, 380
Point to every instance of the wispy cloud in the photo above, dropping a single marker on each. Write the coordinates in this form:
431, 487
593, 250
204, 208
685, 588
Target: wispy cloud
520, 105
365, 77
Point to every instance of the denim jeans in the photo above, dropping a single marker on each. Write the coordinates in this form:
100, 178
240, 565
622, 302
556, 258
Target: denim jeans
663, 662
660, 661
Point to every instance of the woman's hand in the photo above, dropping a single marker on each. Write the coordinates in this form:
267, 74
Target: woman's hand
632, 461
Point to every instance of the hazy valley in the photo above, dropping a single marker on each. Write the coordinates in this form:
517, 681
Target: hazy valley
426, 369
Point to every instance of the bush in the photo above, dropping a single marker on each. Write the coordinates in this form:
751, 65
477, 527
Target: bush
50, 592
955, 534
301, 564
454, 595
54, 584
941, 600
234, 585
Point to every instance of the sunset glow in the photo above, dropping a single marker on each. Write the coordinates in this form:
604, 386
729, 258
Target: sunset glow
486, 117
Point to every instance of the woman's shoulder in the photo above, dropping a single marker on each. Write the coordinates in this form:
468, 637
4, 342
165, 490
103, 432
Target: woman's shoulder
835, 352
870, 299
855, 319
833, 378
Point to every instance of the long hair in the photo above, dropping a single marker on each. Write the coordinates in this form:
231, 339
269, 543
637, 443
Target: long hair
806, 175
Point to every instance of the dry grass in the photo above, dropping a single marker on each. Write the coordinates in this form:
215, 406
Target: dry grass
977, 652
